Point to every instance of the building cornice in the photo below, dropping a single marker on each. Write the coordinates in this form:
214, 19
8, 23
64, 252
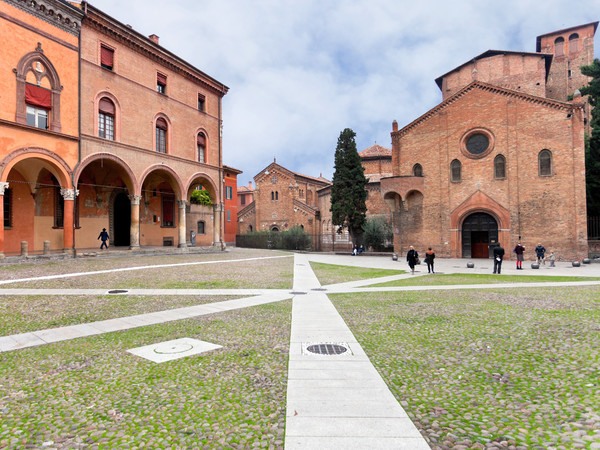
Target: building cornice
60, 14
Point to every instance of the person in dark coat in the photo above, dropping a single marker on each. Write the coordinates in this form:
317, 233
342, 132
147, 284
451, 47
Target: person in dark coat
498, 257
429, 257
411, 258
103, 236
519, 250
540, 252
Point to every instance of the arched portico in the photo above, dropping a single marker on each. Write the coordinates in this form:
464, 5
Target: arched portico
210, 215
41, 181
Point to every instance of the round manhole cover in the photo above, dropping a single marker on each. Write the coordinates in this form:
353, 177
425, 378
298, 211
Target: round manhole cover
327, 349
168, 349
118, 291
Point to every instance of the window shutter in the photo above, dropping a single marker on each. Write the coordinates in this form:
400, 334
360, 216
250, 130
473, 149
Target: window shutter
161, 123
38, 96
107, 56
161, 79
106, 106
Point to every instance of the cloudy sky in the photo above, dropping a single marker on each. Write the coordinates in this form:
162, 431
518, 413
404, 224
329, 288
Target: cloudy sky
300, 71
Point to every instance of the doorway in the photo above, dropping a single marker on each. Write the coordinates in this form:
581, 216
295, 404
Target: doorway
479, 236
121, 220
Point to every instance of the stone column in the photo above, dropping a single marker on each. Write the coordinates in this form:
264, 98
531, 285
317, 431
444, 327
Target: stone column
182, 226
134, 228
68, 222
217, 210
3, 187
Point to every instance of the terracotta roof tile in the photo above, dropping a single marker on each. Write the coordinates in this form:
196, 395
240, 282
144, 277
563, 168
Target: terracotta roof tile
375, 150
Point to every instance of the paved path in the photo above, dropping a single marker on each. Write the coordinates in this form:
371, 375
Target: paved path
333, 401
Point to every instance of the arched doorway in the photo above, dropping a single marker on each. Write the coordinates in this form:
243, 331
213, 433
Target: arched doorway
479, 235
121, 220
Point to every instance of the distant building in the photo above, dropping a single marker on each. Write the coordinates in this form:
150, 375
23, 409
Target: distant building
501, 159
231, 203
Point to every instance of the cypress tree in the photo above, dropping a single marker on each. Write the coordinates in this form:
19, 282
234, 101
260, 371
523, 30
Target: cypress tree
348, 194
592, 147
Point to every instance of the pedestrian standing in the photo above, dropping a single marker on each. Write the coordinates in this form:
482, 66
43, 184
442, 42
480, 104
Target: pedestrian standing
429, 257
552, 258
519, 250
540, 251
411, 257
498, 257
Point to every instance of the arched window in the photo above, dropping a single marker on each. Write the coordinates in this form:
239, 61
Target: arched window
499, 167
38, 92
455, 170
574, 43
276, 195
545, 163
417, 170
161, 135
559, 46
106, 119
201, 146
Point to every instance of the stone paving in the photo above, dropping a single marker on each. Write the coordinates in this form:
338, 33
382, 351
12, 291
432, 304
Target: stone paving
333, 401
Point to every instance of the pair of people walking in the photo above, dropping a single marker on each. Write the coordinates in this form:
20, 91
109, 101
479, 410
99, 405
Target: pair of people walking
412, 258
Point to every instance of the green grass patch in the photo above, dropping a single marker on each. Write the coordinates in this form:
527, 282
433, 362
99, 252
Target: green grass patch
474, 278
333, 274
517, 365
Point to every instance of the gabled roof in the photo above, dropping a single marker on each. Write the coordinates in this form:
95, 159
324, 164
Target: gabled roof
291, 174
243, 189
538, 41
489, 88
246, 209
490, 53
375, 151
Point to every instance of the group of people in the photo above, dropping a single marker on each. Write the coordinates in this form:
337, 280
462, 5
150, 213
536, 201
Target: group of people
412, 257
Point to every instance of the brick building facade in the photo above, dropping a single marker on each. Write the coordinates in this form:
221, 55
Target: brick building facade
108, 130
501, 158
282, 199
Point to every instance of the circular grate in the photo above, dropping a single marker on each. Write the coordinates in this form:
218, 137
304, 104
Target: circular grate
327, 349
118, 291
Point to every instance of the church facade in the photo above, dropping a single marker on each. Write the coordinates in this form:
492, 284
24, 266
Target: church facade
501, 159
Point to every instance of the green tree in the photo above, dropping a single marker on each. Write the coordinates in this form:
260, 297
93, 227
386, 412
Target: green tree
592, 143
348, 194
378, 231
200, 197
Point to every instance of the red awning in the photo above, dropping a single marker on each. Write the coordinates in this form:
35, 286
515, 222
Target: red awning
106, 106
107, 56
38, 96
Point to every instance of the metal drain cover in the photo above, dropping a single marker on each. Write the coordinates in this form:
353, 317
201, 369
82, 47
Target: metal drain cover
118, 291
327, 349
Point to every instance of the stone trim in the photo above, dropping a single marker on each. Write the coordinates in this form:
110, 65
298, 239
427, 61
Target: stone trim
59, 14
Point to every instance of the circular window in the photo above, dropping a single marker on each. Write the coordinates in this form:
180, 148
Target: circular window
477, 143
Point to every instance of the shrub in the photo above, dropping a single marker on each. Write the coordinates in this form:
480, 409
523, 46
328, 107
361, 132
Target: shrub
200, 197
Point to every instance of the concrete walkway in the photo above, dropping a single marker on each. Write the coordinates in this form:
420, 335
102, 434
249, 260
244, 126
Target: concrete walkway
336, 401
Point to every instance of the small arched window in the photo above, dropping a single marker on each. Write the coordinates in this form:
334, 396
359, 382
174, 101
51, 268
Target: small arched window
499, 167
574, 43
417, 170
559, 46
545, 163
106, 119
201, 147
455, 170
161, 135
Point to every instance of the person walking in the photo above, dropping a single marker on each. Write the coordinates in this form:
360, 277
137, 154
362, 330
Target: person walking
103, 236
411, 258
429, 257
519, 250
498, 257
540, 251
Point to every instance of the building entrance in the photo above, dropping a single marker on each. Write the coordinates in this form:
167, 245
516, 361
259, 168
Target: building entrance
121, 220
479, 236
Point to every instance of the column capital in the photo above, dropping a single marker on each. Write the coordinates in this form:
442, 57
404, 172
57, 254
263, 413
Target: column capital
135, 199
182, 203
217, 207
69, 194
3, 187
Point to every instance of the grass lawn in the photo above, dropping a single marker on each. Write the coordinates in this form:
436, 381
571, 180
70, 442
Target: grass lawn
90, 392
473, 278
333, 274
516, 366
